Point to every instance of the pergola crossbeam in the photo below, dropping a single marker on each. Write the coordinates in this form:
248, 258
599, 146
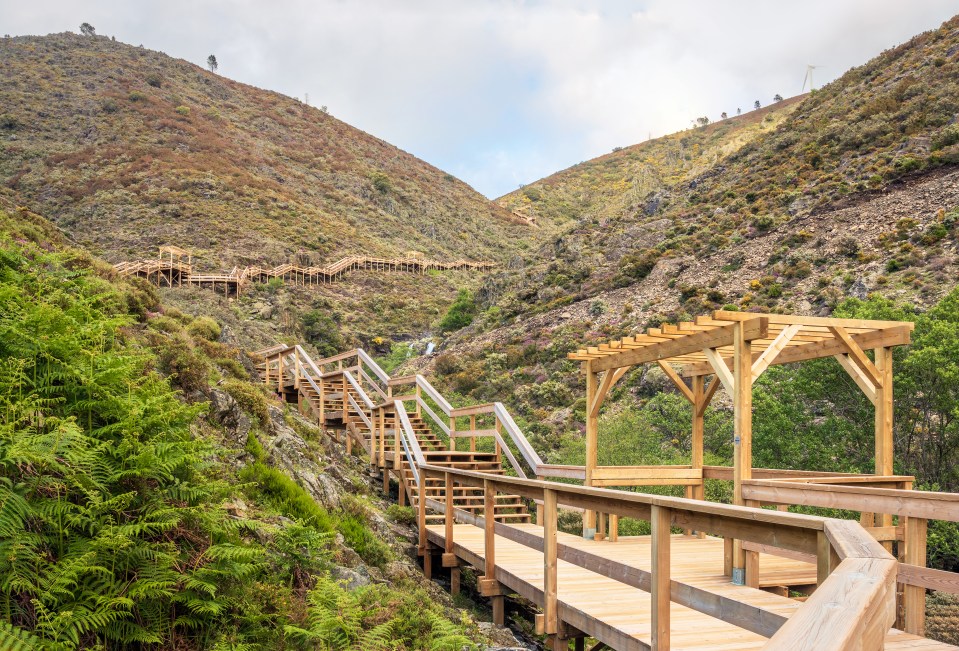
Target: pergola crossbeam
857, 356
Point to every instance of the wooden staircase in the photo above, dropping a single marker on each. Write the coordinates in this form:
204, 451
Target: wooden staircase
338, 406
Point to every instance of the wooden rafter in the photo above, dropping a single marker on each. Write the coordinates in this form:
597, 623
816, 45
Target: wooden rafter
856, 355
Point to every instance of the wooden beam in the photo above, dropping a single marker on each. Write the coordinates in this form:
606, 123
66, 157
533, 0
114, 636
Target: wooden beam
858, 376
723, 374
754, 328
824, 348
610, 378
772, 351
790, 319
592, 435
707, 397
677, 380
856, 355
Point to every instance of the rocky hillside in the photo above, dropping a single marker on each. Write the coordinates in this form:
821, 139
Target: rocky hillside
126, 148
866, 160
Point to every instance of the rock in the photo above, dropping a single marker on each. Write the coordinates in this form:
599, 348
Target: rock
227, 412
501, 637
859, 289
289, 452
227, 336
237, 507
351, 578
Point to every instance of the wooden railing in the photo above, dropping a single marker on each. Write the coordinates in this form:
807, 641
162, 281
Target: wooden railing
853, 608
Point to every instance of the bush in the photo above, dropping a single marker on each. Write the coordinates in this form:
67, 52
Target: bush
322, 330
182, 110
461, 312
381, 182
205, 328
250, 398
638, 265
401, 514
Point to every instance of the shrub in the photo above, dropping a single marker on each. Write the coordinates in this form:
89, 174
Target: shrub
182, 110
154, 80
638, 265
461, 312
322, 330
402, 514
280, 492
204, 327
381, 182
136, 96
250, 398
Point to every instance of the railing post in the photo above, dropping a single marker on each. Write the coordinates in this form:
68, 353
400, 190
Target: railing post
419, 396
914, 597
279, 374
346, 400
498, 426
473, 429
322, 401
826, 558
550, 607
421, 511
453, 433
489, 586
449, 558
660, 582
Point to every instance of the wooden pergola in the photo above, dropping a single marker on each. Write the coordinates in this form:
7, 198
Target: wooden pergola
732, 350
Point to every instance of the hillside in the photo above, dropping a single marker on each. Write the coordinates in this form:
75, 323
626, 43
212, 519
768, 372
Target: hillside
737, 217
126, 149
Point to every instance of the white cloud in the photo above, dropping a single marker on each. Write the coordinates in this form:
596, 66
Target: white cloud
506, 91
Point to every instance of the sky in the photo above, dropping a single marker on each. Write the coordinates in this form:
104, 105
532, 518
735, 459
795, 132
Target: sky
504, 92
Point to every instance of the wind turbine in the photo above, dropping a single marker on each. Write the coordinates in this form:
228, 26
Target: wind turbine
808, 78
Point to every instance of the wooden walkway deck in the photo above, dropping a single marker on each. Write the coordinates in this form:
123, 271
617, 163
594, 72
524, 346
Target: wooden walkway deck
620, 615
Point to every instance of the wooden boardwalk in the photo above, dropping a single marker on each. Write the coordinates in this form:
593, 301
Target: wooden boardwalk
619, 615
813, 583
173, 271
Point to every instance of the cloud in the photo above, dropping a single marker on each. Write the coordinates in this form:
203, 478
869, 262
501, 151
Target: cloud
501, 92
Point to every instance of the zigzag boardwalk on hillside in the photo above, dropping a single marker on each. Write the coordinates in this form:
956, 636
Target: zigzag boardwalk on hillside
660, 591
173, 271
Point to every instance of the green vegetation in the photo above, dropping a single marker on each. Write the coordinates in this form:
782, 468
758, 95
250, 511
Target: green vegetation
374, 617
119, 525
461, 312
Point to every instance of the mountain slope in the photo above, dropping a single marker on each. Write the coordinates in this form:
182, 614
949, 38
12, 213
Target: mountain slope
880, 128
127, 149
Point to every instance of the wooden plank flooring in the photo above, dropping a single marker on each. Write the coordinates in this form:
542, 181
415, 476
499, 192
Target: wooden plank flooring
619, 615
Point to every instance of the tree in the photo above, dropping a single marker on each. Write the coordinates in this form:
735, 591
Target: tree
777, 97
703, 121
211, 63
723, 115
756, 104
87, 29
739, 111
461, 312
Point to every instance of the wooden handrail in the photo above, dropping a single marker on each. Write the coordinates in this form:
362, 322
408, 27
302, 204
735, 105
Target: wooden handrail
853, 609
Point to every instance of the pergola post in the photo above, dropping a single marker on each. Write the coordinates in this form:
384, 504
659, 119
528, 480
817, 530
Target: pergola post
696, 441
592, 431
742, 435
884, 410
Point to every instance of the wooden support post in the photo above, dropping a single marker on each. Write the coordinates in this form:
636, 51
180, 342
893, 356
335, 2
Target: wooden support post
914, 597
613, 527
660, 580
421, 512
455, 573
452, 433
742, 434
539, 507
449, 558
489, 540
884, 419
473, 429
279, 374
592, 435
346, 401
498, 603
550, 605
826, 557
696, 441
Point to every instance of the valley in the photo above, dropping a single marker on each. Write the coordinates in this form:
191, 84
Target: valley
305, 457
